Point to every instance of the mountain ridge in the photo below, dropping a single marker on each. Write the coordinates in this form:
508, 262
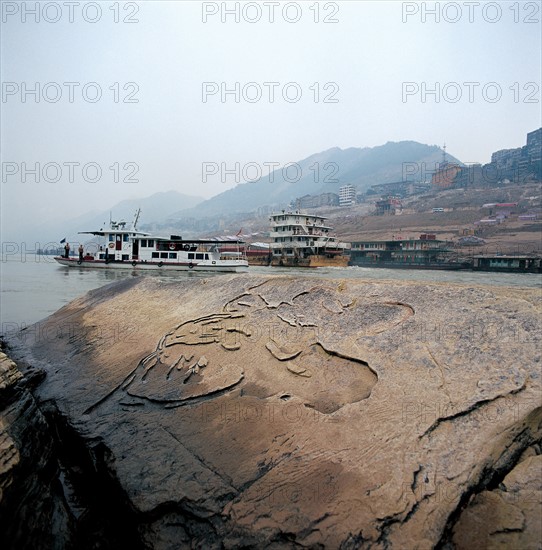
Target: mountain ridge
320, 172
324, 172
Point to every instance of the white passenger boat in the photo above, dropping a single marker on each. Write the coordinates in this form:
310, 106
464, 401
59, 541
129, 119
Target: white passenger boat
132, 249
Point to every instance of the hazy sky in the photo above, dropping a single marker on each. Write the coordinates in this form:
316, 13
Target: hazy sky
360, 81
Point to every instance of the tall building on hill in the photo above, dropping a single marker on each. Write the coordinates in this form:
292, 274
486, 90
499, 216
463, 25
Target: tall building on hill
506, 159
534, 145
347, 195
314, 201
518, 165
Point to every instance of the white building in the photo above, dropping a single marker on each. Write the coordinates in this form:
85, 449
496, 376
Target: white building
304, 240
347, 195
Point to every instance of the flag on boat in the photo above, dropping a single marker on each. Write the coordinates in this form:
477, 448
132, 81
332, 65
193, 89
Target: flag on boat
63, 240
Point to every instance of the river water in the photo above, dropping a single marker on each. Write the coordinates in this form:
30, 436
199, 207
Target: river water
34, 287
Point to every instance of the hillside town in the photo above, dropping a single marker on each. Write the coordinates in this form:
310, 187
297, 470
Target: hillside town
459, 215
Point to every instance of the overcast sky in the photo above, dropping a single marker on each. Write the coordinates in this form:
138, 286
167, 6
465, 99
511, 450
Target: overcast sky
355, 74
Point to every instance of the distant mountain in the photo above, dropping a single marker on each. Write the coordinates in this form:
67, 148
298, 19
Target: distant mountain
325, 172
155, 208
319, 173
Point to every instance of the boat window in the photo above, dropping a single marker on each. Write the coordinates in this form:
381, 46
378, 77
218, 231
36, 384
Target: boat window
199, 256
125, 257
111, 238
190, 255
173, 255
155, 255
206, 256
150, 243
143, 243
102, 256
125, 237
163, 254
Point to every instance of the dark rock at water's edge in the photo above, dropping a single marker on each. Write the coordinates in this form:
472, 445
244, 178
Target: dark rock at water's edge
54, 493
32, 507
250, 411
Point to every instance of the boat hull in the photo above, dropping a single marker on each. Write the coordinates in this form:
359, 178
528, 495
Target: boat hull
311, 261
219, 266
404, 265
509, 269
259, 260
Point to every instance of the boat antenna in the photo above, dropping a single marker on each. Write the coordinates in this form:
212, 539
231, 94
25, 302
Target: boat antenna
136, 218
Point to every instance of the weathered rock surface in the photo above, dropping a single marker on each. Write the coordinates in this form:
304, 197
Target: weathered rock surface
33, 513
299, 412
508, 516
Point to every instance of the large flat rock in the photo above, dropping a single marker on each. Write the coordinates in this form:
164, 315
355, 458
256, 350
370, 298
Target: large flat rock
251, 410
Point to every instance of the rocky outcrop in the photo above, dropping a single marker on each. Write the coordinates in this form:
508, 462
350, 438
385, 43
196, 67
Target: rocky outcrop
508, 516
301, 412
33, 513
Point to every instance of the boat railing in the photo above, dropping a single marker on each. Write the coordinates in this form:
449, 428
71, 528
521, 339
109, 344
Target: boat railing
292, 244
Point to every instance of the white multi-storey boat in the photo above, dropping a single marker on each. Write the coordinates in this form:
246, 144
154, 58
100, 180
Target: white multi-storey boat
132, 249
304, 240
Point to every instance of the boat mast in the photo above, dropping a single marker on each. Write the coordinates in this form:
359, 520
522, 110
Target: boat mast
136, 218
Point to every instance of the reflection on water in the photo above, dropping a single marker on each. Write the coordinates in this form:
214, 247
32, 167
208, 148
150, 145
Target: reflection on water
37, 287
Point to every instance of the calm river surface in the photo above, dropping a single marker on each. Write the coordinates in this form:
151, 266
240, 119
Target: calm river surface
33, 289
